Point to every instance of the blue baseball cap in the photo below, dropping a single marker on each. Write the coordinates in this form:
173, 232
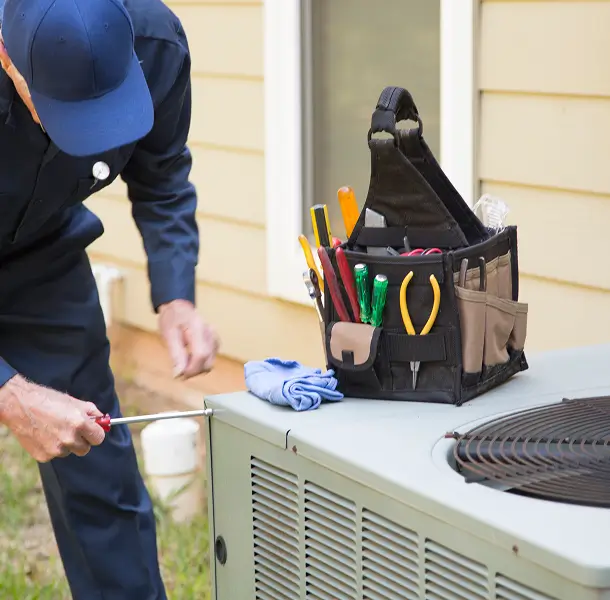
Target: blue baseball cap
78, 60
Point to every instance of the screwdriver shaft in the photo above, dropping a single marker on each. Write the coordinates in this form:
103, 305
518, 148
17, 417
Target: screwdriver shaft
208, 412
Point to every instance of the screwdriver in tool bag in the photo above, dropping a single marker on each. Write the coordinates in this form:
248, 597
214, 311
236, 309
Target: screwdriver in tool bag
106, 422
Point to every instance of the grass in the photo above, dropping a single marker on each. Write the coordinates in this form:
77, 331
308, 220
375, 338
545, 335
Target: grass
30, 568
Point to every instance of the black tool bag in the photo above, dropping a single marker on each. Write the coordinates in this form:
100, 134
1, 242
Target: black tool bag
477, 341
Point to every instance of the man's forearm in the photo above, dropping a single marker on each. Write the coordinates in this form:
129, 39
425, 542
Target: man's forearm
10, 393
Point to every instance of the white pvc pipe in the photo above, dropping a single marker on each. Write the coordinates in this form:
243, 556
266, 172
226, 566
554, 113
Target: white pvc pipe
105, 276
172, 462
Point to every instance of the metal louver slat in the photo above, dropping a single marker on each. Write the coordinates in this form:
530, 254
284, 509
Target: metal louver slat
451, 576
334, 551
377, 572
321, 523
376, 589
508, 589
275, 526
327, 515
273, 500
331, 571
267, 591
330, 545
275, 540
279, 519
274, 578
317, 583
390, 560
282, 568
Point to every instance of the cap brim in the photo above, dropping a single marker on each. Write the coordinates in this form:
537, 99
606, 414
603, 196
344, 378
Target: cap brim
120, 117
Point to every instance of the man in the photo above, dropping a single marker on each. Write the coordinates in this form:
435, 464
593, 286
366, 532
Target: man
91, 90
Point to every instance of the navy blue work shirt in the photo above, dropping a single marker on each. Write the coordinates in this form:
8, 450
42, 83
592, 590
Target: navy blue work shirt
42, 190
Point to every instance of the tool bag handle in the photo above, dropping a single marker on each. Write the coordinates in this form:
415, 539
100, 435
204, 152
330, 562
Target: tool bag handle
395, 104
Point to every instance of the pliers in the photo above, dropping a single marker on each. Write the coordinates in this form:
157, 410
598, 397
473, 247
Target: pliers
406, 318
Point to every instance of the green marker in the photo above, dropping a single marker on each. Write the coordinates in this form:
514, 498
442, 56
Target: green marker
380, 288
361, 275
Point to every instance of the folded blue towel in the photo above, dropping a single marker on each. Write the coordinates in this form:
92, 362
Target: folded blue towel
288, 383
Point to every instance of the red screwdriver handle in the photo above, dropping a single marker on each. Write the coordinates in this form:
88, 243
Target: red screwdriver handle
104, 422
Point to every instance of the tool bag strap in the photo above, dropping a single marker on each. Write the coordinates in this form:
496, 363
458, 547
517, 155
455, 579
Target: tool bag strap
395, 104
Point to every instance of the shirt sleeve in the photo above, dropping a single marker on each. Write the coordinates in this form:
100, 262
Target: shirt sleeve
164, 202
6, 372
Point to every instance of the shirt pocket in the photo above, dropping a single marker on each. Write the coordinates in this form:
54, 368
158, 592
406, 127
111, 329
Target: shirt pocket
41, 208
12, 208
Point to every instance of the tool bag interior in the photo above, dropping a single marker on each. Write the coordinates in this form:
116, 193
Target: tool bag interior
477, 340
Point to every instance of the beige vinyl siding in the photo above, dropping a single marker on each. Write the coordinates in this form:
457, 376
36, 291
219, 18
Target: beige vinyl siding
544, 146
226, 41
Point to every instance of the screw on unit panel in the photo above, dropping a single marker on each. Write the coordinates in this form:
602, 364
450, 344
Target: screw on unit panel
220, 549
294, 449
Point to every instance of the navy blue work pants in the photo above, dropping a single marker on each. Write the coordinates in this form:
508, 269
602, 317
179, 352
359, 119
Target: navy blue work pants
52, 331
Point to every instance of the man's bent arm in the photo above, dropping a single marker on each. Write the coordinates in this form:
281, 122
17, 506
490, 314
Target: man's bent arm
164, 201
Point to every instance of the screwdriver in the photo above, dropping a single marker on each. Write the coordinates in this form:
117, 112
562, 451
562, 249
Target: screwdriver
349, 208
106, 422
321, 225
361, 275
380, 288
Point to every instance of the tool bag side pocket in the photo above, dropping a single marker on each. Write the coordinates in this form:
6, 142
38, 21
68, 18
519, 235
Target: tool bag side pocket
500, 318
472, 308
352, 351
518, 335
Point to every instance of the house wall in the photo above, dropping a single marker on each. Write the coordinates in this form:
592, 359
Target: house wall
544, 118
226, 139
544, 148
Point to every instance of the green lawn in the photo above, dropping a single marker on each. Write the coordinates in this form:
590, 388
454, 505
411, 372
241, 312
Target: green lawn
29, 564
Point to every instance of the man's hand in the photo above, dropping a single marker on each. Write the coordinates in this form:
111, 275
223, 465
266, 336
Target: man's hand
47, 423
192, 344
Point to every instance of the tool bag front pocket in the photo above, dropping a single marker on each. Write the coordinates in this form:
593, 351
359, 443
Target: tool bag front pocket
353, 351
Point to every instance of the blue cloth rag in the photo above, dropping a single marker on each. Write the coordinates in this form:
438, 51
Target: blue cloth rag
288, 383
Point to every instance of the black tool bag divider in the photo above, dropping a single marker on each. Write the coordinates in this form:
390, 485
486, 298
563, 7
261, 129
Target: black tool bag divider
478, 338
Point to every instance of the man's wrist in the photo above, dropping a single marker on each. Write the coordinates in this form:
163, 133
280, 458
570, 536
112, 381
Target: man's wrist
11, 393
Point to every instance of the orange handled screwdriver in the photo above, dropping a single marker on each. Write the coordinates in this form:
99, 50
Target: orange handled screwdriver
349, 208
106, 422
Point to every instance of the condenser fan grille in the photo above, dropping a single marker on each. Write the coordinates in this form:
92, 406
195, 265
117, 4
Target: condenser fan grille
559, 452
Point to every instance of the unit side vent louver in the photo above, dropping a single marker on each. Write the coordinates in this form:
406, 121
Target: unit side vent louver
275, 512
452, 576
508, 589
390, 560
330, 545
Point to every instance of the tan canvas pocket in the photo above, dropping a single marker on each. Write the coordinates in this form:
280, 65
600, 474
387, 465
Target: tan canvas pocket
504, 277
352, 350
352, 345
471, 306
500, 317
519, 332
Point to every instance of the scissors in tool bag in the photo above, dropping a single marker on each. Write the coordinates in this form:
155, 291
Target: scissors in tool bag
406, 318
422, 252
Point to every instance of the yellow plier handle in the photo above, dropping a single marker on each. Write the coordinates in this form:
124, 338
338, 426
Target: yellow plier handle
309, 259
404, 311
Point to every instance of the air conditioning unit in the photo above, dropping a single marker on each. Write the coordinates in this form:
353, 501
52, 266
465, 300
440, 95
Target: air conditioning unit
373, 500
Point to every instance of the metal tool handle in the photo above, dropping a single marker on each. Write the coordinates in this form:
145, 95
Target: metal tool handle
106, 422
